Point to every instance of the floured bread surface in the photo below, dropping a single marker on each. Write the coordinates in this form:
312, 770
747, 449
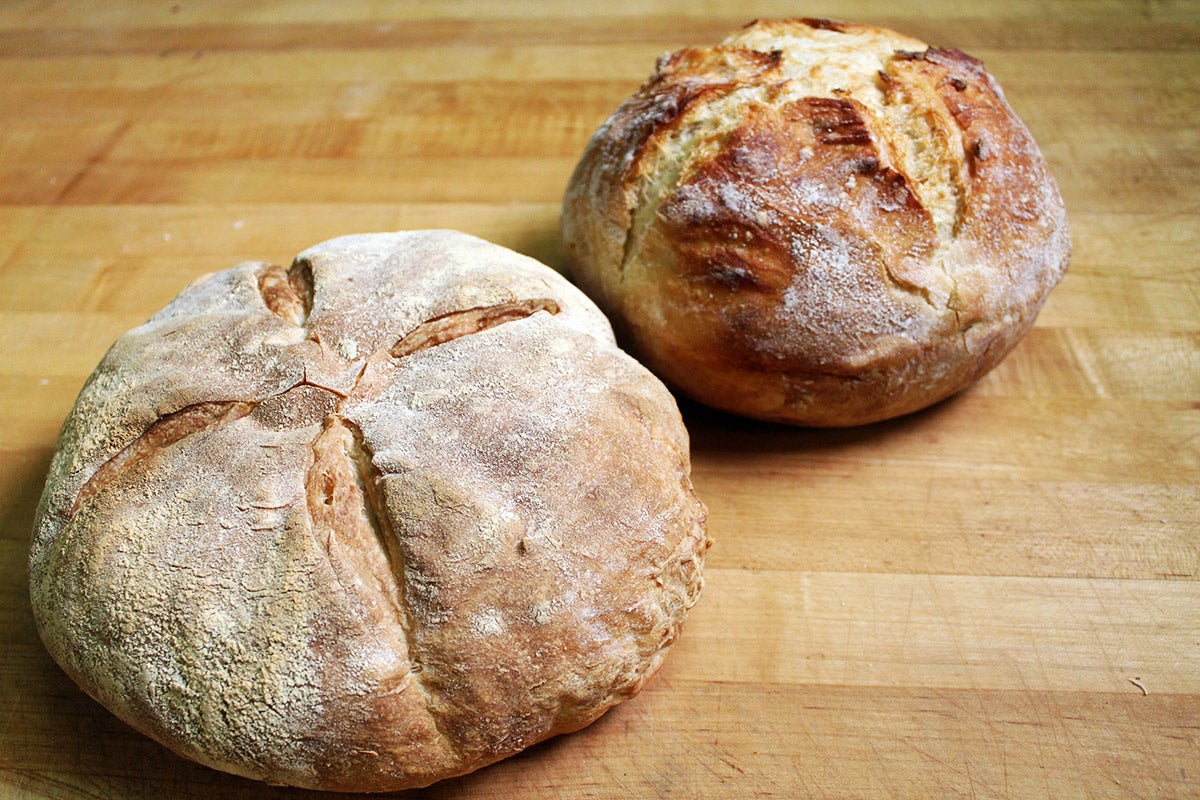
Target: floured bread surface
382, 518
817, 223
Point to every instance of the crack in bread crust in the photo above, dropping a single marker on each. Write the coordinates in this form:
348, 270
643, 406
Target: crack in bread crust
166, 431
448, 327
288, 293
341, 495
345, 502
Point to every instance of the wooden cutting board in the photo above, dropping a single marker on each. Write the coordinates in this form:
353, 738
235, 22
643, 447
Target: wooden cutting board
997, 597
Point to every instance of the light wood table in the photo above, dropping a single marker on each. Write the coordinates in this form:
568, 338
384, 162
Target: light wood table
997, 597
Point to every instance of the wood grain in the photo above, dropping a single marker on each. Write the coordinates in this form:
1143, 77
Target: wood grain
996, 597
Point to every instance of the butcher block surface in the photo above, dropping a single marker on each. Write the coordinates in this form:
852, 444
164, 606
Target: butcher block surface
998, 597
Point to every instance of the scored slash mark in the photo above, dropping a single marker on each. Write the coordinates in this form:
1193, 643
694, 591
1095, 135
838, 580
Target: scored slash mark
288, 293
455, 324
165, 432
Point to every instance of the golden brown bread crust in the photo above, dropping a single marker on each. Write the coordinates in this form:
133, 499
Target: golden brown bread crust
380, 519
816, 223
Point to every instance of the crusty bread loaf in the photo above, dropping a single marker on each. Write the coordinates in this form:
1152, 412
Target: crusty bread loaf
378, 519
816, 223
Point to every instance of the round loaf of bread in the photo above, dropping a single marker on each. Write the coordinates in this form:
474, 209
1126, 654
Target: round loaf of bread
379, 519
816, 223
